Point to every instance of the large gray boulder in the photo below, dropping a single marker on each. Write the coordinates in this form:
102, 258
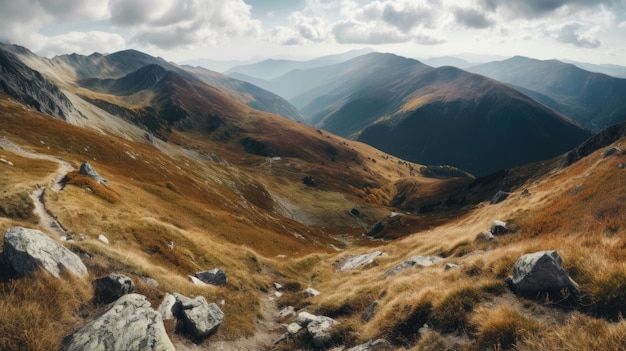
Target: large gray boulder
197, 317
88, 170
318, 327
422, 261
361, 260
129, 324
215, 276
26, 249
540, 275
111, 287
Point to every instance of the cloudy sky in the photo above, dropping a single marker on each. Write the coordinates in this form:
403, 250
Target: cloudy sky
583, 30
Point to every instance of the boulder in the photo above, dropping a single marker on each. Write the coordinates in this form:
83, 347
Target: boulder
111, 287
88, 170
422, 261
499, 197
376, 345
196, 281
26, 249
166, 308
310, 292
540, 274
129, 324
215, 276
356, 261
498, 227
318, 327
197, 317
612, 151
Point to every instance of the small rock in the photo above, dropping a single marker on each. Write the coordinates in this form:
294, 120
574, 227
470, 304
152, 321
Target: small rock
103, 238
369, 312
377, 345
287, 312
488, 235
525, 193
27, 249
170, 244
353, 262
150, 281
166, 308
319, 330
199, 318
498, 227
215, 276
88, 170
450, 266
499, 197
293, 328
129, 324
304, 318
277, 286
422, 261
111, 287
278, 294
310, 292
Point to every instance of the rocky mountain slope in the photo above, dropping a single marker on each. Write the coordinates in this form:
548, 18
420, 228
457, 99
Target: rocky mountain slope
279, 236
593, 99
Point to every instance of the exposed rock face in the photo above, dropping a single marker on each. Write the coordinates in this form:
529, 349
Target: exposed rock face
215, 276
88, 170
111, 287
197, 317
539, 274
422, 261
498, 227
318, 327
499, 197
353, 262
597, 141
27, 249
376, 345
612, 151
129, 324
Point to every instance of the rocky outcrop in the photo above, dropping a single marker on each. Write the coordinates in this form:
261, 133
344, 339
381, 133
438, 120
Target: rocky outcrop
597, 141
215, 276
422, 261
612, 151
111, 287
87, 169
197, 317
129, 324
27, 249
373, 345
541, 275
361, 260
499, 197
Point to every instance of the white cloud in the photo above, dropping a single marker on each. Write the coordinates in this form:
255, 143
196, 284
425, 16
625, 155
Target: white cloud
84, 43
351, 32
570, 33
184, 23
622, 25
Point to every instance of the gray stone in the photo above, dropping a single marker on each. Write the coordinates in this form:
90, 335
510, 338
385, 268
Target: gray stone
376, 345
422, 261
450, 266
277, 286
215, 276
129, 324
369, 312
304, 318
166, 308
196, 281
293, 328
287, 312
310, 292
525, 193
499, 197
111, 287
498, 227
88, 170
198, 318
320, 329
612, 151
27, 249
150, 281
541, 274
488, 235
103, 238
353, 262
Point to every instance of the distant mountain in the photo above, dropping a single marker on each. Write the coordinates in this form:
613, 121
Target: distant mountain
217, 65
616, 71
430, 115
270, 68
448, 61
593, 99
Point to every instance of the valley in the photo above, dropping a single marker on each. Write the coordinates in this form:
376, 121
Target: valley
383, 202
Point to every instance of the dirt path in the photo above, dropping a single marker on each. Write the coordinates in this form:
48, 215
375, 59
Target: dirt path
53, 181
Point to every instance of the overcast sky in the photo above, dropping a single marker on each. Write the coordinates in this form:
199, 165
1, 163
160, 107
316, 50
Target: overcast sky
177, 30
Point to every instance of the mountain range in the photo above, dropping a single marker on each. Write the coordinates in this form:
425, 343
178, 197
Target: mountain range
141, 199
